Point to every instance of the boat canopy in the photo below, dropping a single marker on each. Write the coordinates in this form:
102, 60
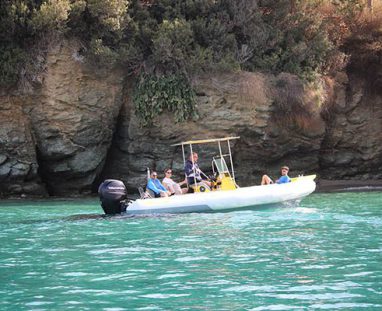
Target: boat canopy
205, 141
220, 156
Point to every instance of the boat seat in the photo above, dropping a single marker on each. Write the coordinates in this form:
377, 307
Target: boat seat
224, 175
150, 193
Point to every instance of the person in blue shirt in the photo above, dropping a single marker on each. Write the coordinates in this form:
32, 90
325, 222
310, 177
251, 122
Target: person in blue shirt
266, 180
156, 186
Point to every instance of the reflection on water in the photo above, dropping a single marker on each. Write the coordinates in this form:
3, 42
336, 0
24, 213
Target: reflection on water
324, 254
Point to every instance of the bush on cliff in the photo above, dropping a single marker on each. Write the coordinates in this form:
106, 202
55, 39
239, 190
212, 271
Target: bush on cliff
27, 23
171, 93
159, 38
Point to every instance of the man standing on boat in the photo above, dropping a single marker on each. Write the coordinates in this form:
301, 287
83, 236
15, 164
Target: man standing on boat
193, 172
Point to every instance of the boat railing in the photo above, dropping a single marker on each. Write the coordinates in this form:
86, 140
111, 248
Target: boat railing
220, 165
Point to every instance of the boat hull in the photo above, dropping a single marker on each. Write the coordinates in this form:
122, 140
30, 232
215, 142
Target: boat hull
254, 197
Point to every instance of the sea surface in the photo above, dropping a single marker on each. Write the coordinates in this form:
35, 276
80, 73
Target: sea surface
325, 254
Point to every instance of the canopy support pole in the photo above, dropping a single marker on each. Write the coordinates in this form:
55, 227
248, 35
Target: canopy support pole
230, 157
193, 165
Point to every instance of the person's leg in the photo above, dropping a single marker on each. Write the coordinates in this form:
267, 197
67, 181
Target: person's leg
163, 194
169, 187
206, 182
177, 189
265, 180
191, 186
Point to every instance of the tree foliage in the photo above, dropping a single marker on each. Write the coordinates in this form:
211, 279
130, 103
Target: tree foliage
171, 93
51, 16
159, 38
23, 23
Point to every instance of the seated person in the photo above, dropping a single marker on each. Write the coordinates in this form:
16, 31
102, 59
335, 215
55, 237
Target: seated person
156, 186
193, 171
172, 186
266, 180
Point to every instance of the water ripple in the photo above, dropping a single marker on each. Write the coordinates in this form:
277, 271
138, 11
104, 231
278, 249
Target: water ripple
325, 254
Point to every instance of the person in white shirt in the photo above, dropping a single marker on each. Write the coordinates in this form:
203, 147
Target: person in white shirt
172, 186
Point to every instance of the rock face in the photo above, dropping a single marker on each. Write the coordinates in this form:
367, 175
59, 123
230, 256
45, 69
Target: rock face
18, 164
352, 147
71, 117
58, 140
244, 105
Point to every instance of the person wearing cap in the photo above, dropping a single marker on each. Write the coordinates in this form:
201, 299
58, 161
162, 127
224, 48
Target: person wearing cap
266, 180
156, 186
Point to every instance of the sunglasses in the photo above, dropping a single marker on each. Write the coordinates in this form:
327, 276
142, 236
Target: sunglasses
155, 175
169, 172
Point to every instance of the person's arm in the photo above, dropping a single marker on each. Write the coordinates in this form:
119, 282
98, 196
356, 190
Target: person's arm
199, 175
152, 187
159, 186
188, 168
183, 182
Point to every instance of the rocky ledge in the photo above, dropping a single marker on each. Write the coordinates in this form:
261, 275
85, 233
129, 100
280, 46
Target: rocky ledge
78, 126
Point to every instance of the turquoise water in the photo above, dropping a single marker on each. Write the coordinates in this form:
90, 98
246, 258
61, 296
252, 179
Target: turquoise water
324, 254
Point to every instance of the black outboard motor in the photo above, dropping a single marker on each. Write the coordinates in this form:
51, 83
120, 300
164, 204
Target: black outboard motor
112, 194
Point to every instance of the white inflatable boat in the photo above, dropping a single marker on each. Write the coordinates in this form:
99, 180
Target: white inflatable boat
222, 201
222, 195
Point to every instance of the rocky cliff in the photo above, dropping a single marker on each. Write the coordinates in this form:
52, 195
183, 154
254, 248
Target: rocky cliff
78, 126
352, 147
55, 140
244, 104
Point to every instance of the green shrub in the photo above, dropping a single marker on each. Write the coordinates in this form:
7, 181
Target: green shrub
109, 13
178, 38
51, 16
25, 22
101, 55
12, 59
171, 93
171, 45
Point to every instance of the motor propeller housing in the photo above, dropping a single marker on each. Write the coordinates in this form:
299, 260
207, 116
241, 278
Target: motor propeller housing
112, 194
